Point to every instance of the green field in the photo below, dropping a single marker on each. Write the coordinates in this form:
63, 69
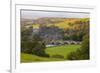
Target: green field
25, 58
57, 50
62, 50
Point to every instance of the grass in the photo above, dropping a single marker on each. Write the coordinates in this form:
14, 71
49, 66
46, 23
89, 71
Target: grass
57, 50
62, 50
26, 58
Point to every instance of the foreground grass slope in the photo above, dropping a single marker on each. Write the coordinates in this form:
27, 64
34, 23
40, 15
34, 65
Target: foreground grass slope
63, 50
25, 58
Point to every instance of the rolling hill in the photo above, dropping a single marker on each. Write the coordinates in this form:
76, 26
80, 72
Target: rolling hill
63, 23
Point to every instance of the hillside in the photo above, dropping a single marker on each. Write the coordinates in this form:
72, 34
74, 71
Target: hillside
59, 22
48, 21
55, 54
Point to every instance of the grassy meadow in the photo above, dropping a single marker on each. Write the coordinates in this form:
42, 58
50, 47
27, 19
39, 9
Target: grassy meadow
57, 50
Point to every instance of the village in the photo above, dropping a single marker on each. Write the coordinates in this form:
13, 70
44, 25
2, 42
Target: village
66, 42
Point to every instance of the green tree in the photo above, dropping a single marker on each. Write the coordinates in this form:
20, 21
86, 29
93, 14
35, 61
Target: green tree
32, 43
83, 52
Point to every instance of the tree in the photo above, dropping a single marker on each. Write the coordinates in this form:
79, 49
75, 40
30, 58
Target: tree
39, 46
83, 52
50, 33
26, 35
32, 43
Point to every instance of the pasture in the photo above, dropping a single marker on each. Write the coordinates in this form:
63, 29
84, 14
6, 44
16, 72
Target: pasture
56, 53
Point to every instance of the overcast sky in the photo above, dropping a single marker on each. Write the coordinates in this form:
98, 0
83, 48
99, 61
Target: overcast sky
29, 14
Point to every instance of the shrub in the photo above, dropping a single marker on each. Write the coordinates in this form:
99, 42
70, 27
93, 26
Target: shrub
74, 55
83, 52
57, 56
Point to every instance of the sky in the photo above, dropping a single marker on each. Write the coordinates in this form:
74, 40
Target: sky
31, 14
